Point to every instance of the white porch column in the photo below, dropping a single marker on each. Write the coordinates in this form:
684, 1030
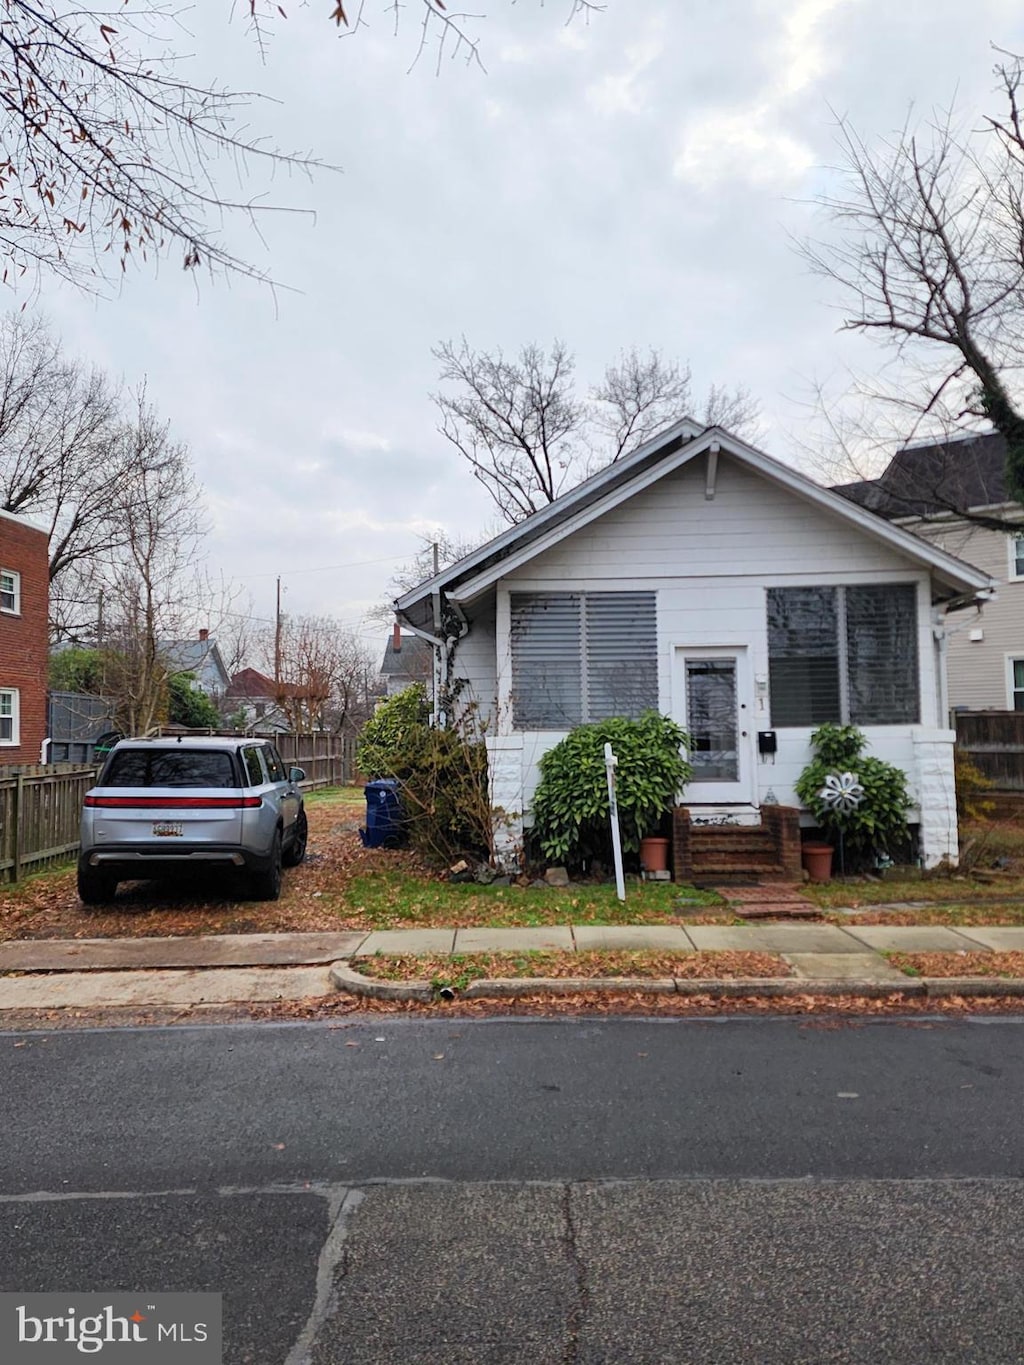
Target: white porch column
936, 795
505, 779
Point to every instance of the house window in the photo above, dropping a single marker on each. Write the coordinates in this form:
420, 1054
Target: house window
8, 715
10, 591
1017, 555
843, 654
1017, 684
579, 657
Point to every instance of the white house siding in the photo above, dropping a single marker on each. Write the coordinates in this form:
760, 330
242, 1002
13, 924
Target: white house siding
978, 674
710, 563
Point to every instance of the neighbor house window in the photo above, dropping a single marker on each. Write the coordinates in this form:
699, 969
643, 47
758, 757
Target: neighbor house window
1017, 684
10, 591
1017, 556
843, 654
582, 656
8, 715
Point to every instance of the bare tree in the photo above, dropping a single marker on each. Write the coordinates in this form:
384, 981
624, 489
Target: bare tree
151, 584
327, 676
111, 156
929, 254
528, 436
72, 459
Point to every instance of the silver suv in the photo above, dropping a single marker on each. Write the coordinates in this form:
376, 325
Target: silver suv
163, 805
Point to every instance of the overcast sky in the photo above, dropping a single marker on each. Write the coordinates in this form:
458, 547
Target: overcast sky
631, 181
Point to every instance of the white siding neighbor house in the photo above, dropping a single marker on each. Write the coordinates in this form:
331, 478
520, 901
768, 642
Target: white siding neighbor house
702, 577
926, 488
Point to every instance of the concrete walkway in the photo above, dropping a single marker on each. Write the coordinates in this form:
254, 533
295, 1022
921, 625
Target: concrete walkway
87, 973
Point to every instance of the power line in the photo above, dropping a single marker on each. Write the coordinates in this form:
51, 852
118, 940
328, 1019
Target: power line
329, 568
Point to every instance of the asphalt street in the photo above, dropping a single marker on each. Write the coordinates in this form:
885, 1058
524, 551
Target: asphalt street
387, 1190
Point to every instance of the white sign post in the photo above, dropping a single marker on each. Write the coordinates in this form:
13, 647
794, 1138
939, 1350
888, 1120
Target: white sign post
613, 810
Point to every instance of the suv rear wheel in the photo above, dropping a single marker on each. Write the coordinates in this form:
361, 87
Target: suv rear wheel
296, 850
95, 887
266, 885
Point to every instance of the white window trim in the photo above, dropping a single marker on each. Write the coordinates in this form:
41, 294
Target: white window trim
15, 739
1012, 575
1011, 659
16, 609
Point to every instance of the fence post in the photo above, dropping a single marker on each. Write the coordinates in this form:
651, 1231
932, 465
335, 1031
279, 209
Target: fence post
19, 795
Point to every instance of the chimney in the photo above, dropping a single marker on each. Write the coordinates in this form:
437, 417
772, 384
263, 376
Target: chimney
204, 634
396, 638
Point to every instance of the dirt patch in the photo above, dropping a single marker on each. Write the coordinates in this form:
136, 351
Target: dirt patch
462, 968
314, 897
959, 964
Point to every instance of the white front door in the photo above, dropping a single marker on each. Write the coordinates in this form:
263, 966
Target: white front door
714, 704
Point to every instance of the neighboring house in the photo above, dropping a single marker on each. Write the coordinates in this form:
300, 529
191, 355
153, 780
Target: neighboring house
24, 611
200, 657
408, 659
702, 577
923, 489
251, 695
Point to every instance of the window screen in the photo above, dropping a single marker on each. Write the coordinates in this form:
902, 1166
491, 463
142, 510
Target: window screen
547, 665
845, 654
881, 652
803, 655
579, 657
169, 768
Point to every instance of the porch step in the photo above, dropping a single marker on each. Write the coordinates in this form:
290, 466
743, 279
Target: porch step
708, 842
765, 849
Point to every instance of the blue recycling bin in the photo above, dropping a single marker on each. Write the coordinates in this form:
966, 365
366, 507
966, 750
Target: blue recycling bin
384, 827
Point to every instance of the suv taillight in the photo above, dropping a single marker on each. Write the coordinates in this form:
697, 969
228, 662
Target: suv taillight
175, 802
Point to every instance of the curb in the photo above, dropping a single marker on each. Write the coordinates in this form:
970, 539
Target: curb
345, 978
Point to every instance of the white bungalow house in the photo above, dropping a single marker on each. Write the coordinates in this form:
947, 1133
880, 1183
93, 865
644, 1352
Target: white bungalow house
702, 577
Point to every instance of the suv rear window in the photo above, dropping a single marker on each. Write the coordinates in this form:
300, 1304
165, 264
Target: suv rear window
169, 768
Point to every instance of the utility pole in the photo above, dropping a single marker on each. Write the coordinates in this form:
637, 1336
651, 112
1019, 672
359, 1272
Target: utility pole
277, 635
437, 569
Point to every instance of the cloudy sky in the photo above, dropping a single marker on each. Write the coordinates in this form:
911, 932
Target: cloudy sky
631, 181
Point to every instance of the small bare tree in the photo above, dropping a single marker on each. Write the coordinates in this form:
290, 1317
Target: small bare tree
151, 585
327, 675
528, 435
929, 255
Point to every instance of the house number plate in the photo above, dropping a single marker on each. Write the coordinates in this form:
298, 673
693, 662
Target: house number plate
165, 829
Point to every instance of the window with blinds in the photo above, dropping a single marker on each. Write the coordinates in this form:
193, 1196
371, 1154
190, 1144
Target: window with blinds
579, 657
845, 654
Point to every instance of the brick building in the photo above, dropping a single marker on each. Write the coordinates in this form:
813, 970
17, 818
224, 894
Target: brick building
24, 604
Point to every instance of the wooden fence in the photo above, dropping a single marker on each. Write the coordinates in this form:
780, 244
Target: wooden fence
328, 760
39, 814
994, 742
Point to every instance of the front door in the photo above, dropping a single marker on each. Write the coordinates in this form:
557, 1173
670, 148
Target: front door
712, 688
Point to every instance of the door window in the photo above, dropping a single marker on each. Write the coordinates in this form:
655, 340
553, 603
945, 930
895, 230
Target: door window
711, 719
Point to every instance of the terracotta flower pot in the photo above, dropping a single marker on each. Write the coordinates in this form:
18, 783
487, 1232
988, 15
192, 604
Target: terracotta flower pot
654, 854
817, 859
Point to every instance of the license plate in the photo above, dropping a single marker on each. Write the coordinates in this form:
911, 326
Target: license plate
167, 829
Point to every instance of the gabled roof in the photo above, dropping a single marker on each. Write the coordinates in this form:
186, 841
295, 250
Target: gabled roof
189, 656
414, 660
941, 476
250, 682
578, 498
670, 450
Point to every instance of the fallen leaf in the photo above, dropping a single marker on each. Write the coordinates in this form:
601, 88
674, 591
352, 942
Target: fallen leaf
438, 1056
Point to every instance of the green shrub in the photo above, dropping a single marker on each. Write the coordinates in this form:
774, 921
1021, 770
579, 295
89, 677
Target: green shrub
879, 824
444, 790
570, 808
186, 705
384, 734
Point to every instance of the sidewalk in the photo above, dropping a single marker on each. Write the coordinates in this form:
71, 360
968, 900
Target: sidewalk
89, 973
